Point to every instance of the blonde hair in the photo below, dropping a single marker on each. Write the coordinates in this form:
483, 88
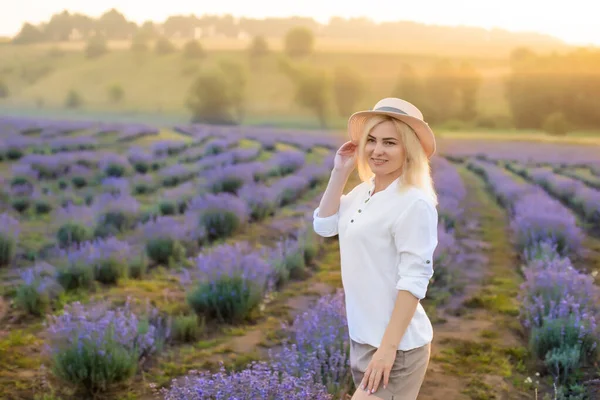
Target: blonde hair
416, 168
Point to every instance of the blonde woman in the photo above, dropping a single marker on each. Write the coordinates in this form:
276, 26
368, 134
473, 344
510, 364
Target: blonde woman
387, 227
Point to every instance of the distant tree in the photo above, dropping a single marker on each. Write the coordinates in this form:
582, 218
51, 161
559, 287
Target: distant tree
409, 86
348, 89
73, 99
210, 98
312, 89
299, 42
163, 46
180, 26
113, 25
59, 27
521, 55
96, 47
556, 124
193, 49
29, 34
237, 80
148, 31
139, 43
469, 81
4, 92
116, 93
259, 47
441, 91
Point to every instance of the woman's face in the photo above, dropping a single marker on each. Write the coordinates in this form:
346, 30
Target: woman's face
384, 150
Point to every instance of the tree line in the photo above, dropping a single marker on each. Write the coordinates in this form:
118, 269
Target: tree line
113, 25
555, 91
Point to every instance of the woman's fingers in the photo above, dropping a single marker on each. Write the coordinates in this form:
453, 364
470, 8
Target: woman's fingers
372, 378
386, 377
377, 381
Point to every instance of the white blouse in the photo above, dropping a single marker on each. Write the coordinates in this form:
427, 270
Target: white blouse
387, 242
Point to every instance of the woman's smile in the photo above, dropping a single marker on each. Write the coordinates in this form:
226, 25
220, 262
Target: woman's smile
378, 161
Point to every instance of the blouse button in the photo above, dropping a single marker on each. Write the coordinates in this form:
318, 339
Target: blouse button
359, 211
366, 200
428, 261
351, 220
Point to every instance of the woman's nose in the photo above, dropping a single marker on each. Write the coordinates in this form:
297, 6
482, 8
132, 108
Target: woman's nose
378, 148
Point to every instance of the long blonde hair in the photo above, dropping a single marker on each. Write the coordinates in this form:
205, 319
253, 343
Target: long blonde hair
416, 170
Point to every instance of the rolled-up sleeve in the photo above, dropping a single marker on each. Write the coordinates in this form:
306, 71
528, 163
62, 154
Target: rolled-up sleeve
326, 226
415, 236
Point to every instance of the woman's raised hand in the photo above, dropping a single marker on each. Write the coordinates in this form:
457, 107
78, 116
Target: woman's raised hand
345, 157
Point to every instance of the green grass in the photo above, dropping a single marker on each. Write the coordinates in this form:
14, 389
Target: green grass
158, 86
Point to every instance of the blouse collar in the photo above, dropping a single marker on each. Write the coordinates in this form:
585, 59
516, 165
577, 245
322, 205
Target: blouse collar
390, 186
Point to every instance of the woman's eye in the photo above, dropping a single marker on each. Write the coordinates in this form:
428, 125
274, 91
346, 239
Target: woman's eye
389, 143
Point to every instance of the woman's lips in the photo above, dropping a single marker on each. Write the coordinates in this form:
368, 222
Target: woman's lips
378, 162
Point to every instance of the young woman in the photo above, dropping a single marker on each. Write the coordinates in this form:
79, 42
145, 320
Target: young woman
387, 227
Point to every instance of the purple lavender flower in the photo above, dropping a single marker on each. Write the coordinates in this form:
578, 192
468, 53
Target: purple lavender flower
290, 188
320, 345
286, 162
450, 189
39, 288
261, 199
258, 381
9, 227
98, 324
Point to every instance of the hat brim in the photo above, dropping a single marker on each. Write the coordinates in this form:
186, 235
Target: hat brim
357, 121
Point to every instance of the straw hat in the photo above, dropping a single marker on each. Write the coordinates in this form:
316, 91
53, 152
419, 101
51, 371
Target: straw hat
401, 110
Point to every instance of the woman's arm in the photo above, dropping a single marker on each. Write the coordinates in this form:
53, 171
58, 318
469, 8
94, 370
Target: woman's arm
404, 310
330, 202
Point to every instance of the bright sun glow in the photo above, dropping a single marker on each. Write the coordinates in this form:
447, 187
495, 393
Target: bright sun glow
573, 21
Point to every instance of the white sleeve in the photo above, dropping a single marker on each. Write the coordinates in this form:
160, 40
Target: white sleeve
415, 236
326, 226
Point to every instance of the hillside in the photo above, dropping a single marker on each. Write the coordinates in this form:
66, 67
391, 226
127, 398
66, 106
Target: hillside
39, 78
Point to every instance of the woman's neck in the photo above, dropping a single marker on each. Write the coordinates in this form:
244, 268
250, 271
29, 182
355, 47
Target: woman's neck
383, 181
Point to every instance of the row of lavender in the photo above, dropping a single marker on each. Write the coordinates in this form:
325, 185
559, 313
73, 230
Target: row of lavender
314, 363
451, 193
578, 195
82, 259
227, 283
558, 308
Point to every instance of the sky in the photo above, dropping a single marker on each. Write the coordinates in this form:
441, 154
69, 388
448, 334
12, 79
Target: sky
573, 21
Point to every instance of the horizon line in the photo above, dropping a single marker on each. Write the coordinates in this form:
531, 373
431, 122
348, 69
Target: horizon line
322, 21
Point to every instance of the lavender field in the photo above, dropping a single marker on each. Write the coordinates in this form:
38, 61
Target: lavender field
180, 263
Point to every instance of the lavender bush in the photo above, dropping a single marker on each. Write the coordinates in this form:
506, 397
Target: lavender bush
559, 311
39, 289
228, 283
103, 260
290, 188
230, 178
258, 381
261, 199
286, 162
220, 215
116, 213
93, 347
288, 261
76, 224
167, 237
319, 346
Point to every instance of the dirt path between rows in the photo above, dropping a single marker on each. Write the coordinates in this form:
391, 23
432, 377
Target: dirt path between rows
474, 342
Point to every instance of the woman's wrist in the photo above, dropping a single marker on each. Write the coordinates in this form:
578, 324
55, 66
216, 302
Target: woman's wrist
345, 174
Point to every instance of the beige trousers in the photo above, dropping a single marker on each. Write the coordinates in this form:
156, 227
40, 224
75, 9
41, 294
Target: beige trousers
406, 376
